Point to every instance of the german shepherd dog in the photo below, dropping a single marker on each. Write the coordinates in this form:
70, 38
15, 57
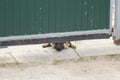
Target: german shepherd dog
60, 46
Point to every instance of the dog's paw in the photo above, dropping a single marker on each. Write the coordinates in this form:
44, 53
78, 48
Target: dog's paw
47, 45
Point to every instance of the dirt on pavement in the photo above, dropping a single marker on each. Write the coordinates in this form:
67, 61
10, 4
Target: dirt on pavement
89, 68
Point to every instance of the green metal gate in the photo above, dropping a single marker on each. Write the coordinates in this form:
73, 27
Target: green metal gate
28, 17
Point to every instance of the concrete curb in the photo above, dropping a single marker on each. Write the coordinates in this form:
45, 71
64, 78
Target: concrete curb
37, 54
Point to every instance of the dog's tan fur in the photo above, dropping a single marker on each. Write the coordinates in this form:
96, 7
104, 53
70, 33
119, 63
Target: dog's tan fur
65, 44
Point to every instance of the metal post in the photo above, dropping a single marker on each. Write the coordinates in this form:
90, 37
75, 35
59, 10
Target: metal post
117, 20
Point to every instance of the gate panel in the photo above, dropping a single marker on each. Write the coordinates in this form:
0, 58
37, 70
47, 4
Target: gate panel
27, 17
54, 21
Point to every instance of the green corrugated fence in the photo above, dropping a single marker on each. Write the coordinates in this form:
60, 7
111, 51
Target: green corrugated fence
26, 17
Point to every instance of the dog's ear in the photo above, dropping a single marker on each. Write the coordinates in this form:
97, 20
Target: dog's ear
69, 44
65, 45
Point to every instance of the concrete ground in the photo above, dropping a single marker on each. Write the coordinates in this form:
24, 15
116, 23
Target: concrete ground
35, 53
32, 62
100, 68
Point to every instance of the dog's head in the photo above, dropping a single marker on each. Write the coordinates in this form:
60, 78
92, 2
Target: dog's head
59, 46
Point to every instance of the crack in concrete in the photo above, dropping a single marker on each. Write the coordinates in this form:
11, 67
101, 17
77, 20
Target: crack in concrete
77, 53
16, 61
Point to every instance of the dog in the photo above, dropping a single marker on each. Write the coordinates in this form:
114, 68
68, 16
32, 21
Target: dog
60, 46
